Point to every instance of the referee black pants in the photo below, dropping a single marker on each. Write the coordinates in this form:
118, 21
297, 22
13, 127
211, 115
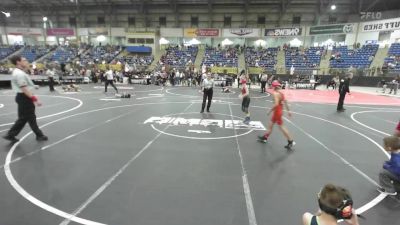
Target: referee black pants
208, 94
26, 113
263, 84
341, 101
110, 82
51, 83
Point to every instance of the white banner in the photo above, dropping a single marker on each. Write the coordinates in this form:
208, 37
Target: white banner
171, 32
380, 25
83, 32
241, 32
24, 31
93, 31
118, 32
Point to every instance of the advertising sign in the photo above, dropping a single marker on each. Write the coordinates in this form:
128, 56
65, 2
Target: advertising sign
380, 25
283, 32
241, 32
199, 32
333, 29
60, 32
24, 31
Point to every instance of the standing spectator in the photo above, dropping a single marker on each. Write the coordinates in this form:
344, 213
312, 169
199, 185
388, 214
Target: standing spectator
394, 85
397, 133
21, 83
292, 70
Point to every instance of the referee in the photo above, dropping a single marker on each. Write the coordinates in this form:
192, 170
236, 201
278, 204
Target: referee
207, 87
109, 79
21, 83
344, 88
50, 74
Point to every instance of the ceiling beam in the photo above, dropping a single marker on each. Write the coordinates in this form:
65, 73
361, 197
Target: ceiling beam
359, 6
283, 9
370, 6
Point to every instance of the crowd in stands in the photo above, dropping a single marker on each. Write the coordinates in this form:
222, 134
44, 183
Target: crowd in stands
32, 53
342, 57
303, 58
100, 54
63, 54
135, 60
179, 56
4, 70
227, 57
6, 50
265, 58
393, 59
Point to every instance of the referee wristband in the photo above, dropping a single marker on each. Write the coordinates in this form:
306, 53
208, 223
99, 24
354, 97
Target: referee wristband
34, 98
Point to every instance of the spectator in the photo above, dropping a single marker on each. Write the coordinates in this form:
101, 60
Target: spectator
390, 175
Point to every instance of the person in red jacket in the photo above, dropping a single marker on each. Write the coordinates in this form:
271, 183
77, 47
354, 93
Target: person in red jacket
279, 103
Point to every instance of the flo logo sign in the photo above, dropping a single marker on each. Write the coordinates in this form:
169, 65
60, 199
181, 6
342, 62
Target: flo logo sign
371, 15
215, 126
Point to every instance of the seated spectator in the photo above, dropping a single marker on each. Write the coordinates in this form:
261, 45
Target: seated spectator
179, 57
360, 58
227, 57
265, 58
6, 50
303, 58
390, 175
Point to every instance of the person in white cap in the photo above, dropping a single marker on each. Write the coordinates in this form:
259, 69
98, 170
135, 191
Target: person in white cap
277, 109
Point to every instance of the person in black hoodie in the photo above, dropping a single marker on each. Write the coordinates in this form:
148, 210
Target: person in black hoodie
344, 88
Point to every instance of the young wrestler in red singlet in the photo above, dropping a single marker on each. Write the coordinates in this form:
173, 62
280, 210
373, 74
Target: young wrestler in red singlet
277, 109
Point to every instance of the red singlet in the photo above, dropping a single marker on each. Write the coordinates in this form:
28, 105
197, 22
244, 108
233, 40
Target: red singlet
278, 111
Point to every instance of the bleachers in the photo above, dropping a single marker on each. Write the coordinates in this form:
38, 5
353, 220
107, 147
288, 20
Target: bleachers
226, 57
6, 50
393, 59
303, 59
178, 57
32, 53
358, 58
63, 54
265, 58
99, 54
135, 60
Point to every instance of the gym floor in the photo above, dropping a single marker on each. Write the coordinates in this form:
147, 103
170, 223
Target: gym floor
125, 161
